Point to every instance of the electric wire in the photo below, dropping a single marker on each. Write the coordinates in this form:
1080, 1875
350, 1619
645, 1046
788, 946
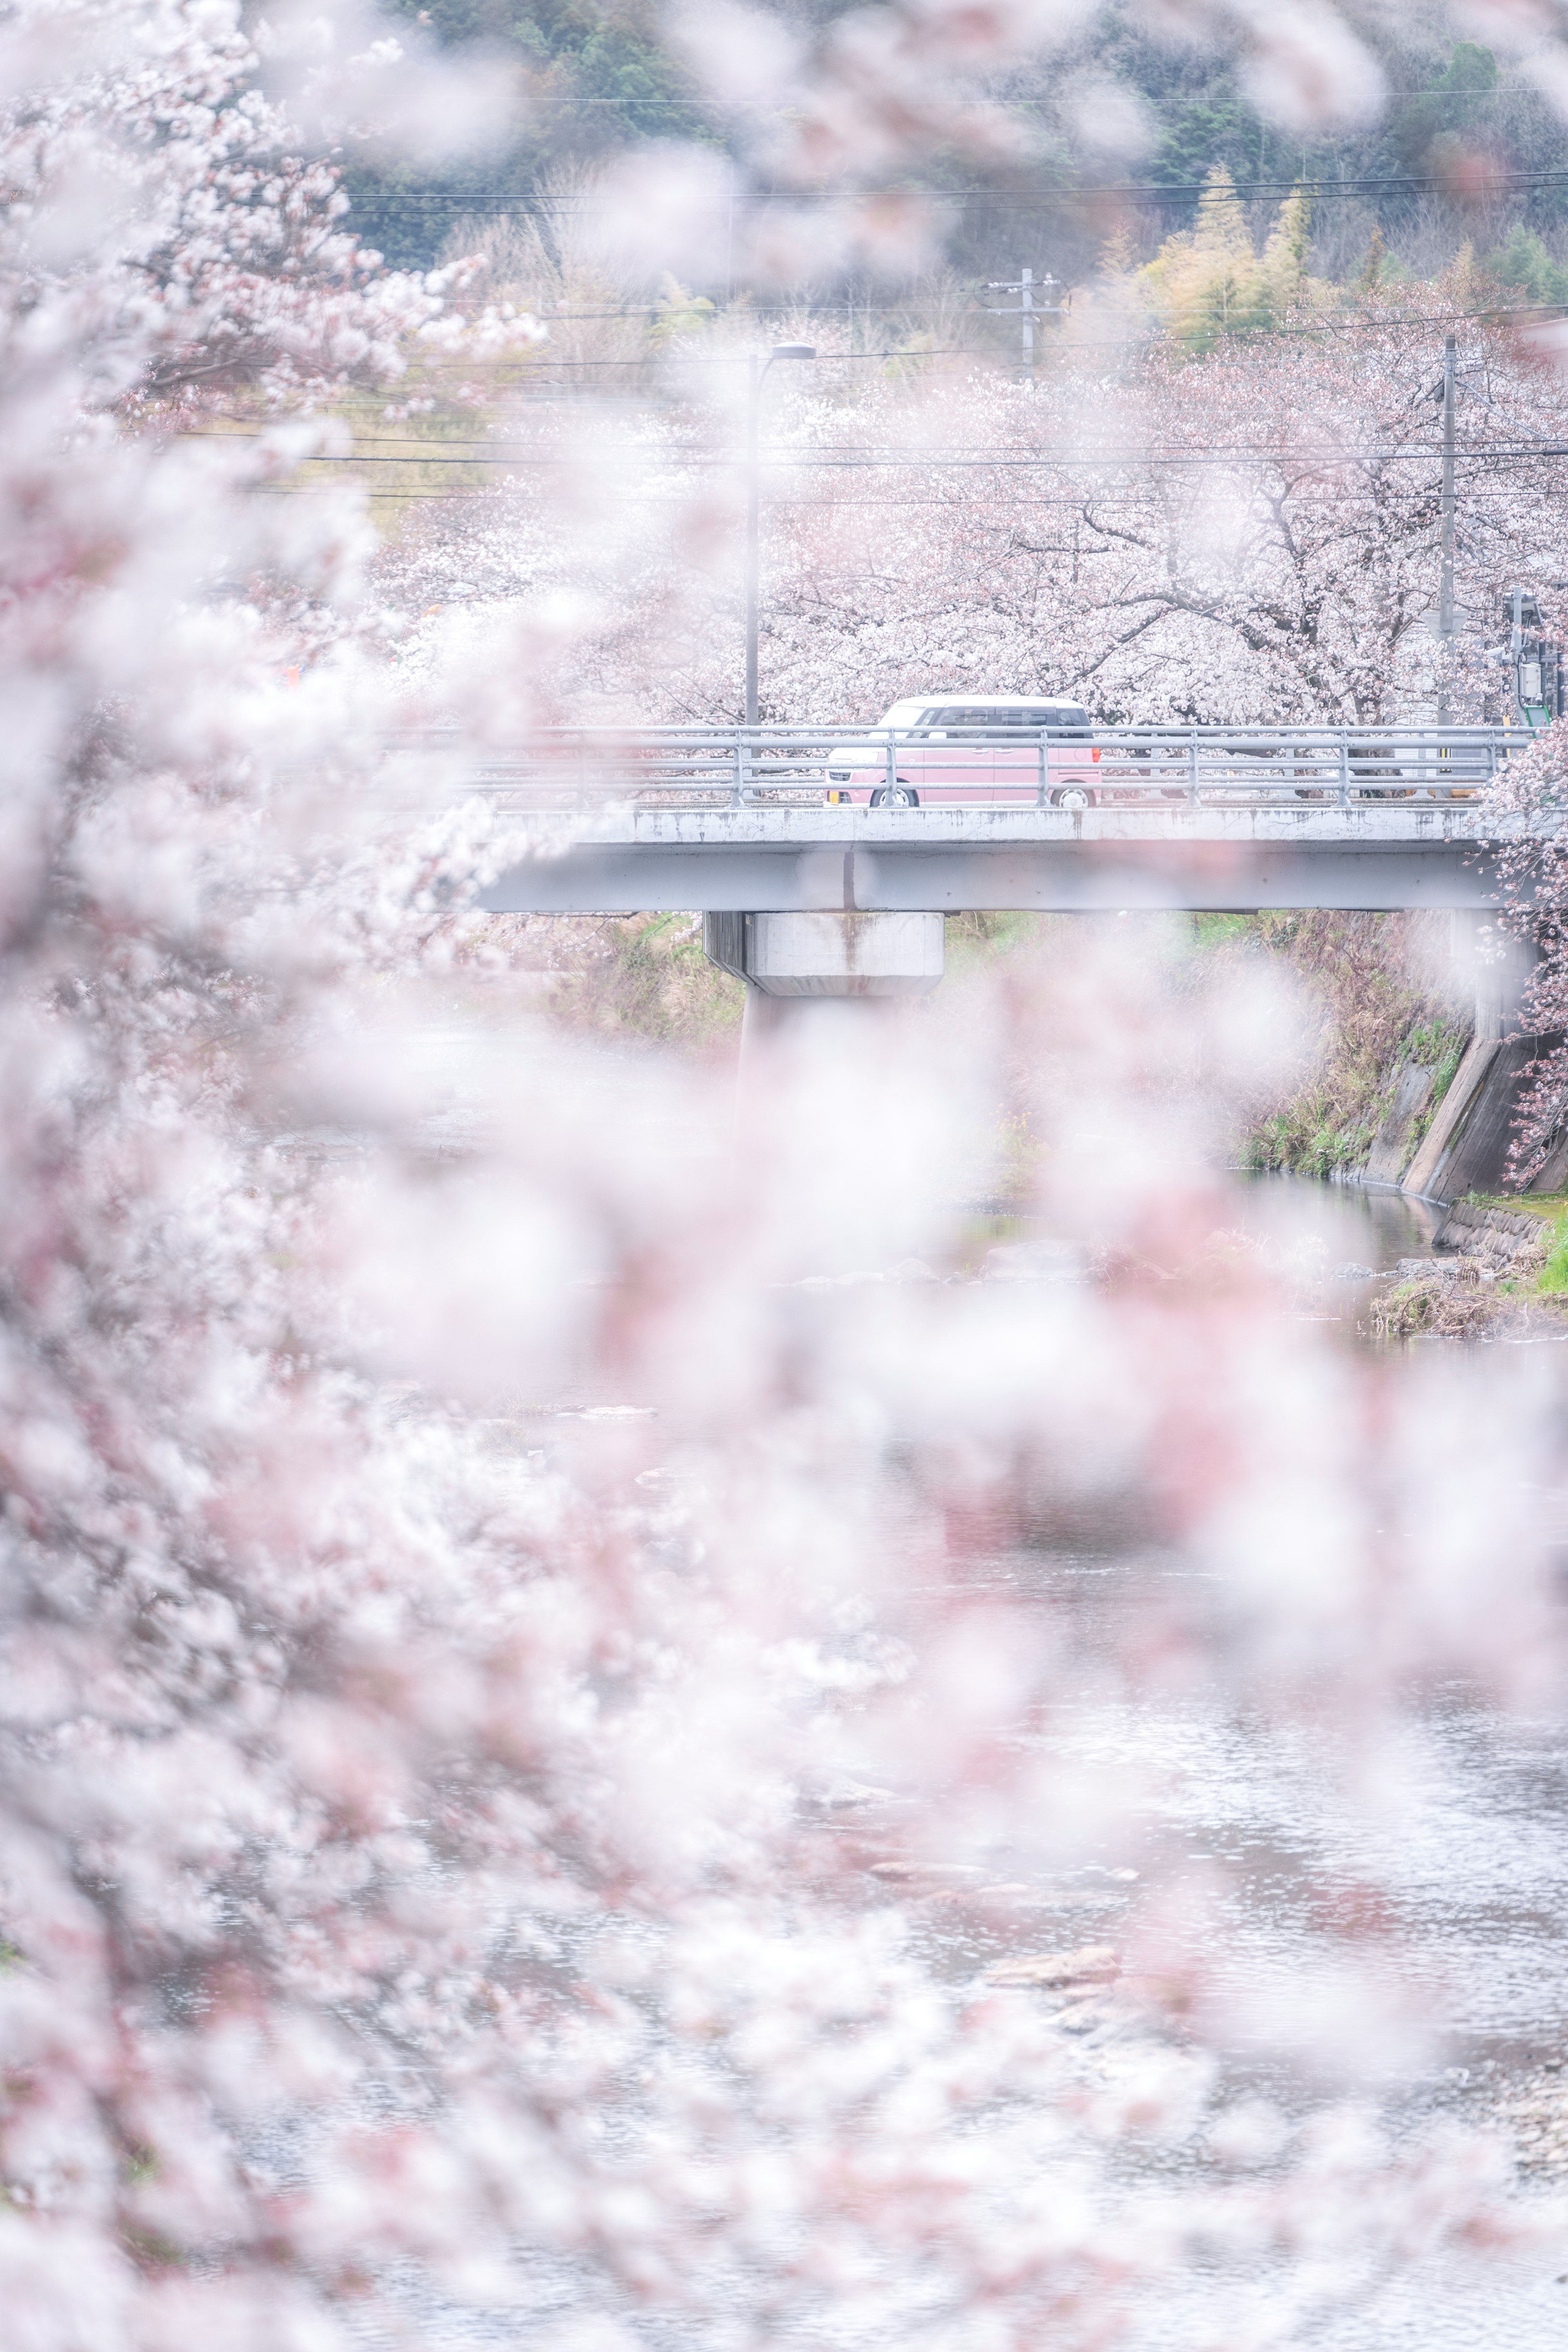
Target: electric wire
1102, 500
1138, 339
522, 203
997, 97
1159, 460
895, 311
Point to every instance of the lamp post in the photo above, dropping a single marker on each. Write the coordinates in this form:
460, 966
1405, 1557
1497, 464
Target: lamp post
758, 369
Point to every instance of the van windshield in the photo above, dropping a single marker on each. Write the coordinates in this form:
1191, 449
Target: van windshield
1005, 715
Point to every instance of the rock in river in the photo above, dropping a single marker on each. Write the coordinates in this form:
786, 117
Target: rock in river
1090, 1963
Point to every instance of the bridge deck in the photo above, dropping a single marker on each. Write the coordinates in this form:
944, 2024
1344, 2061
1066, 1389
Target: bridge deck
1232, 857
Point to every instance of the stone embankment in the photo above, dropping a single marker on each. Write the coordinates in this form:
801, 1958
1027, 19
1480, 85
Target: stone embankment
1502, 1240
1483, 1287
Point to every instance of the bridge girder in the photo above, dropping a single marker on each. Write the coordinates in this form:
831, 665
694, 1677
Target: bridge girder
1065, 875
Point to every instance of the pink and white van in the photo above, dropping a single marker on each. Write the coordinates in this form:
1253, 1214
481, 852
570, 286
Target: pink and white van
954, 749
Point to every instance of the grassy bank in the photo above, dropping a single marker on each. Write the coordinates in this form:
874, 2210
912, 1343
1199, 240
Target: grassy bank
1378, 1007
1371, 985
632, 980
644, 978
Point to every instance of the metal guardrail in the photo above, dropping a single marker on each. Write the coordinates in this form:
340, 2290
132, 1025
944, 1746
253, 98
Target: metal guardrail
713, 766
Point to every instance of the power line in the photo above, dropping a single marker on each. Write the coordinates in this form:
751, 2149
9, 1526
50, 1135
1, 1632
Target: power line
936, 463
998, 97
522, 203
639, 310
1473, 492
464, 368
1137, 339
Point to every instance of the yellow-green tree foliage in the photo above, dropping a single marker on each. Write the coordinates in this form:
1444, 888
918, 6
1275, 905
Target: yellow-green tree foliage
1210, 281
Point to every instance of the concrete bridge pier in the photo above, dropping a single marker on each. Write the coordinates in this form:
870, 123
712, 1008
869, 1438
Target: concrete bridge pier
790, 962
801, 969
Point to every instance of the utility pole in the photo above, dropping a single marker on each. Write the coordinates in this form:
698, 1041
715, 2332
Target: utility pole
754, 503
756, 370
1025, 286
1446, 576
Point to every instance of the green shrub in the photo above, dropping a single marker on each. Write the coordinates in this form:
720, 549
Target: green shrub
1553, 1274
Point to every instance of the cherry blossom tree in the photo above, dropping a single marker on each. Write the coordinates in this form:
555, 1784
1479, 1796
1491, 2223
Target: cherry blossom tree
229, 271
504, 1656
1251, 535
1522, 820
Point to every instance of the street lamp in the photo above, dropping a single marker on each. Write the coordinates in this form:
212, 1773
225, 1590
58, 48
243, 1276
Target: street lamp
758, 370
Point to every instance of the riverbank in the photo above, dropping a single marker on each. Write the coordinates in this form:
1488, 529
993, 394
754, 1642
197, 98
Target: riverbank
1394, 1085
1499, 1271
1387, 1031
1389, 1026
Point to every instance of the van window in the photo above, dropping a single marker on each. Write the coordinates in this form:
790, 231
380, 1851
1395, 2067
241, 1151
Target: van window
1033, 714
992, 716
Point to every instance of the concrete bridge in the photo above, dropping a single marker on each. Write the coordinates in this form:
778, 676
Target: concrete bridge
1214, 857
789, 821
807, 893
825, 860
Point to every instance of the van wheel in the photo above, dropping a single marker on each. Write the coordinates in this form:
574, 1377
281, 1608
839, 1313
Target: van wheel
899, 795
1072, 796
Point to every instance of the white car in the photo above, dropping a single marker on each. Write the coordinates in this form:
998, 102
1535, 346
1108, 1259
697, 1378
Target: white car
950, 750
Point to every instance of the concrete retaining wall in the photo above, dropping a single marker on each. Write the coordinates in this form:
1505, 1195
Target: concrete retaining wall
1395, 1142
1466, 1148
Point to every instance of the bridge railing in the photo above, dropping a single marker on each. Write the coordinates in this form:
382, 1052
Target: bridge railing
708, 766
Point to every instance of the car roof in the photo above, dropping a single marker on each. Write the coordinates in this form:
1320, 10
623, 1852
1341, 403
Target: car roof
987, 701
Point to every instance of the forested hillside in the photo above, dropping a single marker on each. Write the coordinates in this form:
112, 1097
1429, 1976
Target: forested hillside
1118, 131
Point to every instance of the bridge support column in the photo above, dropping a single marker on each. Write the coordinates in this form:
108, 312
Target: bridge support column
790, 958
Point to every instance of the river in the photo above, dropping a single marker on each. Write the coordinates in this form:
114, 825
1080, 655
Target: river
1470, 1859
1353, 1223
